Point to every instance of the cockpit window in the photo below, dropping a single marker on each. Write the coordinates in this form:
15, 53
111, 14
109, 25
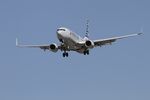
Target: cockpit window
61, 30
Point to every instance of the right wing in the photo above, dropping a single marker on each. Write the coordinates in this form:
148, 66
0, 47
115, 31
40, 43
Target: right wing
44, 47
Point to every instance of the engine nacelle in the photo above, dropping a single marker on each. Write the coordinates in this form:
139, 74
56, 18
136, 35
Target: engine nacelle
53, 47
89, 44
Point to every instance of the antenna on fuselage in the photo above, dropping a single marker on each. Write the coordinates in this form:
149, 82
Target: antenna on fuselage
87, 29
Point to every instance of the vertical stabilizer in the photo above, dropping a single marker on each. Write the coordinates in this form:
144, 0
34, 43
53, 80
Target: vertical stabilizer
87, 29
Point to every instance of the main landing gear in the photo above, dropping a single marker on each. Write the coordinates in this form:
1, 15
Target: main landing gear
86, 52
63, 48
65, 54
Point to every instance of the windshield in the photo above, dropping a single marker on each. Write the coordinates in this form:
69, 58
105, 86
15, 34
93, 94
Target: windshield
61, 30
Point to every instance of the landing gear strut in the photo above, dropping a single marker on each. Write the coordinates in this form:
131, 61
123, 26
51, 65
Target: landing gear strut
86, 52
65, 54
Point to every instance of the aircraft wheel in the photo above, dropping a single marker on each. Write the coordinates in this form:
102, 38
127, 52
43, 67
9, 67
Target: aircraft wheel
65, 54
86, 52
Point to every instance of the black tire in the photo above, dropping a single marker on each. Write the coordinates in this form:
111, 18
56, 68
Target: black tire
67, 54
87, 52
84, 52
64, 54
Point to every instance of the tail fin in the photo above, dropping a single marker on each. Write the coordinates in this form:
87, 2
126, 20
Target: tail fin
87, 29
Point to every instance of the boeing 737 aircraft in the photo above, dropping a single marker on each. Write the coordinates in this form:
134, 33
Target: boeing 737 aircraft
70, 41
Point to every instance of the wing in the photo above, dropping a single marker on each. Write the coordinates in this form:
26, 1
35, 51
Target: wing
106, 41
44, 47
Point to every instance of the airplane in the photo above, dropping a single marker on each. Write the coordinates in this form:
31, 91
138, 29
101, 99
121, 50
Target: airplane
70, 41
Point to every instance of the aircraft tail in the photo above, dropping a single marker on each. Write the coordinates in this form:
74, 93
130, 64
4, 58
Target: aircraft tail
87, 29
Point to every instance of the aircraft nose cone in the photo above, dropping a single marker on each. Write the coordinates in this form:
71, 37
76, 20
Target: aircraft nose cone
59, 33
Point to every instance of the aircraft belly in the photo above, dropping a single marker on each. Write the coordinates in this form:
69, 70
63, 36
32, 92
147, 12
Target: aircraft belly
71, 44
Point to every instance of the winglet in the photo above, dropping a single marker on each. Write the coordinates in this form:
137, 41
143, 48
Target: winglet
141, 32
16, 42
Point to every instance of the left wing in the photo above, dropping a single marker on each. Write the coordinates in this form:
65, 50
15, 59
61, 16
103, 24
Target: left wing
106, 41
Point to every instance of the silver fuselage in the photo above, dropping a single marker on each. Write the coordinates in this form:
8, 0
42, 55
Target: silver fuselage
70, 39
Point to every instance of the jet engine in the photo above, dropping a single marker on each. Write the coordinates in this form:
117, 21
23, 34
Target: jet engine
53, 47
89, 44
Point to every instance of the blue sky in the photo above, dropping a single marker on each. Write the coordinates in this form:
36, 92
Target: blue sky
120, 71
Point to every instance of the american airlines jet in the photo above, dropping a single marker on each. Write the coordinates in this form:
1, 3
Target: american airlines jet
70, 41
